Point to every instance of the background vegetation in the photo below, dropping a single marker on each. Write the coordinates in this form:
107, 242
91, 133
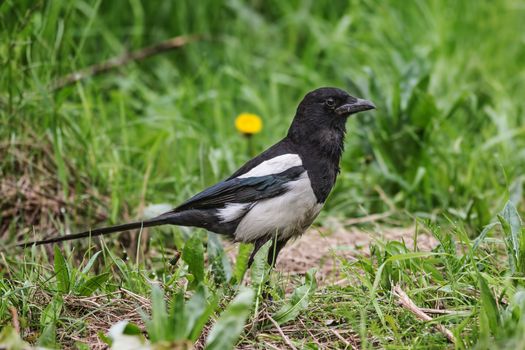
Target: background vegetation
445, 148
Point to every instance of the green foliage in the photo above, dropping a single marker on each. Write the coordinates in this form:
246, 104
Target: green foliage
193, 255
183, 320
89, 286
48, 320
514, 238
61, 271
221, 266
243, 255
260, 269
490, 310
298, 301
230, 324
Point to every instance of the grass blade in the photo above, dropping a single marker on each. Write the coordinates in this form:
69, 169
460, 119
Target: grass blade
298, 301
90, 262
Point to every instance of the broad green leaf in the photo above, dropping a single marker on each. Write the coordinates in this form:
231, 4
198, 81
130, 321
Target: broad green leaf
131, 329
243, 255
260, 272
48, 337
193, 310
157, 326
219, 260
177, 319
260, 267
230, 324
91, 285
204, 317
52, 311
298, 301
489, 306
61, 271
193, 255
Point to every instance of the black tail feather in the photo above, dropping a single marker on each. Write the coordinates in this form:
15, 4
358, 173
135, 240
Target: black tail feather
159, 220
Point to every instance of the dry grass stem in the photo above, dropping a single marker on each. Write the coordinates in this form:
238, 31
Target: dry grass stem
115, 62
408, 304
285, 338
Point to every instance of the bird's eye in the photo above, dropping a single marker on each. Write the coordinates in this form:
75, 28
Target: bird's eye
330, 102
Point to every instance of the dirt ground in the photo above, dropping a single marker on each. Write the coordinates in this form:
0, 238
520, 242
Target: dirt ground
321, 248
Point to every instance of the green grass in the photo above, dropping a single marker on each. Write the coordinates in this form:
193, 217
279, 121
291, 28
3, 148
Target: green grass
445, 149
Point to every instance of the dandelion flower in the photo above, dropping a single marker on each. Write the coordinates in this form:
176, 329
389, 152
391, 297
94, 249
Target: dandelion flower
248, 123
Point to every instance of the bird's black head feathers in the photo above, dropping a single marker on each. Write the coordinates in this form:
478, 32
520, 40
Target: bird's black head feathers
329, 104
319, 122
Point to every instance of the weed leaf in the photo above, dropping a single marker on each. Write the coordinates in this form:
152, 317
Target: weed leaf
489, 306
230, 324
259, 271
91, 285
157, 327
242, 261
221, 265
193, 255
198, 311
61, 271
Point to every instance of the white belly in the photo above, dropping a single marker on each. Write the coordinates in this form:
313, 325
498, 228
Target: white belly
285, 216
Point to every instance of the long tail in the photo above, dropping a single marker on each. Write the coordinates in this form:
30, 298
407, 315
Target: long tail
159, 220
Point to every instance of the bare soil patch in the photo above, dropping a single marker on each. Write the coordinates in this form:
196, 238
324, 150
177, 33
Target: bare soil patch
323, 248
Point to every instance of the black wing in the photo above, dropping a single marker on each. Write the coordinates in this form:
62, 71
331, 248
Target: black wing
242, 190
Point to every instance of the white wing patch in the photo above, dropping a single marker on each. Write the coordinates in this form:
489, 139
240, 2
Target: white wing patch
232, 211
274, 166
286, 215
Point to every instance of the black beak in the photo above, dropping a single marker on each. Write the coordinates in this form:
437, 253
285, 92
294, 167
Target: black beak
358, 106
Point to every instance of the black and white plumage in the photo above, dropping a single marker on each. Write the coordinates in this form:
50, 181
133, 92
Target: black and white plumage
276, 195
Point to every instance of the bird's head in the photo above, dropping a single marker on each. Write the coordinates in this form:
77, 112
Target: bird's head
328, 103
322, 114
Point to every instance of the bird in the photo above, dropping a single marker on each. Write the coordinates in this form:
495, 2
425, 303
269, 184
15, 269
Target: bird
274, 196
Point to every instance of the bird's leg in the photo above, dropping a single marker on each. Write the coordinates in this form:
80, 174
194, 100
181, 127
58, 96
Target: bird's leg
257, 245
274, 252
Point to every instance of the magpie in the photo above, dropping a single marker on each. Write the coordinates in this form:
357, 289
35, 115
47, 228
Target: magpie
276, 195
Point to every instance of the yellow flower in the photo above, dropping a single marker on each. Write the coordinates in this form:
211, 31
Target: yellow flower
248, 123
